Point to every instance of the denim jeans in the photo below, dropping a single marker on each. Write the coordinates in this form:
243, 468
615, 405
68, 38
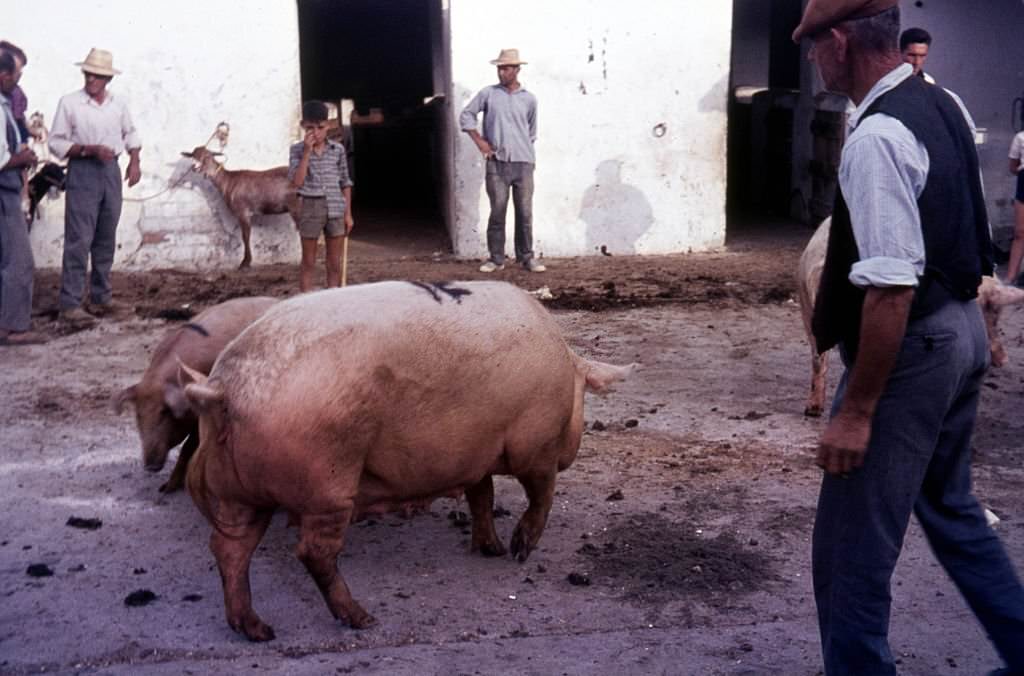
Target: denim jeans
500, 178
918, 460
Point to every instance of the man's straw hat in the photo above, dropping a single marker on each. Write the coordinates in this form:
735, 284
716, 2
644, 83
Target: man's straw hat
508, 57
820, 15
99, 62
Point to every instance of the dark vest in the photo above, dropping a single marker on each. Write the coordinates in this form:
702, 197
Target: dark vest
10, 179
954, 223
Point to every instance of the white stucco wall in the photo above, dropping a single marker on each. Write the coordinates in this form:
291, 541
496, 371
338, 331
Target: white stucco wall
186, 66
606, 75
631, 154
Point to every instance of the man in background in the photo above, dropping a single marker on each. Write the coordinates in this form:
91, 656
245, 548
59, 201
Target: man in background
91, 128
914, 45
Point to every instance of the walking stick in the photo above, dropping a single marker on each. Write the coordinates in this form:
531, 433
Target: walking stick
344, 261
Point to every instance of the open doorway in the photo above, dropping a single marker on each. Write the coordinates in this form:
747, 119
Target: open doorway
764, 87
386, 65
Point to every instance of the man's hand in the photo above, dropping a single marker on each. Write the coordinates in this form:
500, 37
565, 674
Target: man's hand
349, 223
844, 444
23, 158
104, 153
132, 174
485, 148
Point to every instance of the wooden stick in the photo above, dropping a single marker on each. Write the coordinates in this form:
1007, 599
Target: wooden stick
344, 261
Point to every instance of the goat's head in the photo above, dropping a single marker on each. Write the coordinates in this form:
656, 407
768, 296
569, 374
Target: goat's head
204, 160
37, 126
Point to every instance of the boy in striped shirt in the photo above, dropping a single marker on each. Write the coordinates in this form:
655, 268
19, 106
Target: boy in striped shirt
318, 169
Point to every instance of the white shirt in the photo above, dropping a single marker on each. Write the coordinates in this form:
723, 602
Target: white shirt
882, 173
1017, 147
8, 119
80, 119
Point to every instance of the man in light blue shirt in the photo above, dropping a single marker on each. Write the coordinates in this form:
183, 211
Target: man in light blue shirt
509, 132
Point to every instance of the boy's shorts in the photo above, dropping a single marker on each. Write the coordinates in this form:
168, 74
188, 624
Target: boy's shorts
1020, 187
313, 220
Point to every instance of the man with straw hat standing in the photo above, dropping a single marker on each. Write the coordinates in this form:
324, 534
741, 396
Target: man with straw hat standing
908, 245
509, 132
91, 128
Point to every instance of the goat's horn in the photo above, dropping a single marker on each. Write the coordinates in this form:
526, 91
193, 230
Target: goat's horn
186, 154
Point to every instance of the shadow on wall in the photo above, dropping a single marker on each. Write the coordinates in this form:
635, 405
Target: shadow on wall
617, 214
470, 235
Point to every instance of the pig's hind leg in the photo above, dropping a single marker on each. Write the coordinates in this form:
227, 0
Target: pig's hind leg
320, 541
540, 490
480, 497
233, 551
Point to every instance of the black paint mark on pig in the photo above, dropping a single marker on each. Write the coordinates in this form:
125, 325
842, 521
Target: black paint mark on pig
84, 524
39, 570
198, 329
454, 292
141, 597
175, 314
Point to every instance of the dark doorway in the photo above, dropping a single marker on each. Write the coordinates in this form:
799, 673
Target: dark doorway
763, 93
386, 64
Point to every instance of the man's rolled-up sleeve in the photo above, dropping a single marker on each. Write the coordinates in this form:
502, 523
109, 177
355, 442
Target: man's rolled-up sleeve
468, 116
883, 175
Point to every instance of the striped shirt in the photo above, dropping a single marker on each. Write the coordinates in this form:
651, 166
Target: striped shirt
326, 176
882, 173
80, 119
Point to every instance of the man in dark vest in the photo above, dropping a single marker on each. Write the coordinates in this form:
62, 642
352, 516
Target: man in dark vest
16, 264
909, 243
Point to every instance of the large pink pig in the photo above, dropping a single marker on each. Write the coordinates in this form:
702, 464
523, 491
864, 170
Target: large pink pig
162, 414
358, 399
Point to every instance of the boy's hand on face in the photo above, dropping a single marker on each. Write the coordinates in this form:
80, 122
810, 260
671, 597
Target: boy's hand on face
309, 139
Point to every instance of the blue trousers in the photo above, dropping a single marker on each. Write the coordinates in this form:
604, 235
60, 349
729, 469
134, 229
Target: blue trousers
92, 208
918, 460
501, 177
16, 265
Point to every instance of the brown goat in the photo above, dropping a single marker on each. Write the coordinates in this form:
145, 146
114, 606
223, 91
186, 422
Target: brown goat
247, 193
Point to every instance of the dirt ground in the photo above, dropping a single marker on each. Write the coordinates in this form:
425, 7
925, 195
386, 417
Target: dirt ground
678, 544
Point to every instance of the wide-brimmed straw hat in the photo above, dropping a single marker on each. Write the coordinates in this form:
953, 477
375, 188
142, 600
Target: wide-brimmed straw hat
99, 62
508, 57
820, 15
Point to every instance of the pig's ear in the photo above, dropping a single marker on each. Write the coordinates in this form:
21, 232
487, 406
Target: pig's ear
201, 396
174, 399
124, 396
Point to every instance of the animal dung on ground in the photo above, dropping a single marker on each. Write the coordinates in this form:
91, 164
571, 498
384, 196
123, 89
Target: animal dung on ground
39, 570
616, 495
579, 579
140, 597
84, 524
192, 598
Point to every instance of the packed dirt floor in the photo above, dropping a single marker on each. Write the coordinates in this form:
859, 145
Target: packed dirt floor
678, 543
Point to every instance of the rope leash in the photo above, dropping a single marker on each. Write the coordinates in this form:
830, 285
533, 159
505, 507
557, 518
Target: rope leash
220, 132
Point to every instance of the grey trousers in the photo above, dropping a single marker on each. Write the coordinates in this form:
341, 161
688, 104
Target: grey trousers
500, 178
91, 212
918, 459
16, 265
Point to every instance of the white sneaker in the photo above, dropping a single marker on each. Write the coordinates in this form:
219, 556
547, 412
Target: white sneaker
491, 266
533, 265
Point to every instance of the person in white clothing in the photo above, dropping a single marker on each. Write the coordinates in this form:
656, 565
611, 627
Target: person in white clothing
91, 128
